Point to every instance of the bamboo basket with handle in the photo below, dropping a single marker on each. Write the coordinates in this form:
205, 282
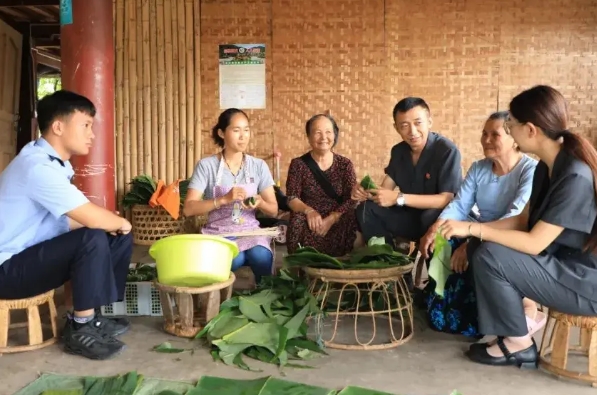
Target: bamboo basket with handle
151, 224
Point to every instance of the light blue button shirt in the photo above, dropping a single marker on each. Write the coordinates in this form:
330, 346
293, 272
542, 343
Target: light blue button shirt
495, 196
35, 194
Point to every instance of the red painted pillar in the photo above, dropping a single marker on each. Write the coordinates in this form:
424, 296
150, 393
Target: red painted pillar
87, 55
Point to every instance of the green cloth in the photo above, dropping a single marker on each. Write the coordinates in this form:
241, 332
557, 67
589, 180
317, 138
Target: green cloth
439, 267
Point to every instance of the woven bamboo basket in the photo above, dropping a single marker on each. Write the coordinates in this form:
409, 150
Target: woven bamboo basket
151, 224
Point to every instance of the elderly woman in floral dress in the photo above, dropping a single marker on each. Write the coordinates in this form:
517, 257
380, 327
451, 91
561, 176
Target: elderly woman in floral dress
318, 187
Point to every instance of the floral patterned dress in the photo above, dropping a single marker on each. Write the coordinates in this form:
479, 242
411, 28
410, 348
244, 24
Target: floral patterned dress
302, 184
456, 311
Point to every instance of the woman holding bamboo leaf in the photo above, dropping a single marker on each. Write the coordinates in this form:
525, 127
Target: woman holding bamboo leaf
499, 186
548, 252
229, 187
318, 187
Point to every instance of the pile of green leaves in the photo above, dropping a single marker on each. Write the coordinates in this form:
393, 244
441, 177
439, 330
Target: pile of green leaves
375, 255
143, 187
117, 385
142, 273
267, 324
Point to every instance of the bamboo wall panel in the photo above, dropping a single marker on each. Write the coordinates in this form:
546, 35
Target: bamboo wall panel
158, 89
452, 62
356, 58
558, 45
236, 22
331, 58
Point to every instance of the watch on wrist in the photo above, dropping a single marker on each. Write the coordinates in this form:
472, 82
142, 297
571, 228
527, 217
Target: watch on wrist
400, 200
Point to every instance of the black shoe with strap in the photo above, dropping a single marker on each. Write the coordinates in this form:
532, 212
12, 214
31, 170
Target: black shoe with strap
90, 340
524, 359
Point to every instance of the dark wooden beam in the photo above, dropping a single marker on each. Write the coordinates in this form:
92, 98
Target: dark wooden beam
46, 42
28, 3
45, 30
14, 13
21, 27
25, 132
47, 59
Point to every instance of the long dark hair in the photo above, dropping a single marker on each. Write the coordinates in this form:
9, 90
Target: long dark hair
223, 122
546, 108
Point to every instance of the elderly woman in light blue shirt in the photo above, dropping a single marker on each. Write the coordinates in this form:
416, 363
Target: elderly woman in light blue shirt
495, 187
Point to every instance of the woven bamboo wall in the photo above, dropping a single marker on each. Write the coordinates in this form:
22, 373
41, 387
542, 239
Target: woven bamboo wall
355, 58
158, 89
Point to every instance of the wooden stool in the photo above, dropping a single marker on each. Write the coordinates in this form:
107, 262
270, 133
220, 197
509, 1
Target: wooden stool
558, 346
186, 310
34, 325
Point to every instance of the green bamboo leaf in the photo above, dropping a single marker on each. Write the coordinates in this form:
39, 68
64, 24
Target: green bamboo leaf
63, 392
261, 354
253, 306
211, 324
231, 304
238, 361
167, 348
275, 386
258, 334
221, 386
351, 390
281, 353
229, 351
305, 344
227, 325
295, 322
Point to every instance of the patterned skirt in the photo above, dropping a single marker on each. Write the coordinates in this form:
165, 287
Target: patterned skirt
456, 311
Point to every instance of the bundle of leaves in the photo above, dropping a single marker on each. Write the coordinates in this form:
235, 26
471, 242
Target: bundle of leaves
375, 255
267, 324
142, 189
367, 183
142, 273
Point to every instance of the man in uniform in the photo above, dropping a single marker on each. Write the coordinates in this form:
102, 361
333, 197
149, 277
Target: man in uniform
422, 177
50, 233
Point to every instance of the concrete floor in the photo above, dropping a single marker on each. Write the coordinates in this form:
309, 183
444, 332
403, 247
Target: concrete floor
430, 364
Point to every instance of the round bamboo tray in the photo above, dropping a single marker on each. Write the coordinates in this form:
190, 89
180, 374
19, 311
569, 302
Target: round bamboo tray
349, 276
151, 224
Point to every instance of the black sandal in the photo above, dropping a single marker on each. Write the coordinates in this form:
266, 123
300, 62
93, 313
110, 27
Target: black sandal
524, 359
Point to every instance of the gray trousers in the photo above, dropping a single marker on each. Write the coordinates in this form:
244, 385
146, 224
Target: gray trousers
390, 222
504, 276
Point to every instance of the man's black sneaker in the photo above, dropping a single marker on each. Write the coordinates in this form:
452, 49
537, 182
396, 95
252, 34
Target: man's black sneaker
90, 340
113, 326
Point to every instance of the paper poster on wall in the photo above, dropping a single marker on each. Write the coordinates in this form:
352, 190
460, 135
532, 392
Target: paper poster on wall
66, 12
242, 76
